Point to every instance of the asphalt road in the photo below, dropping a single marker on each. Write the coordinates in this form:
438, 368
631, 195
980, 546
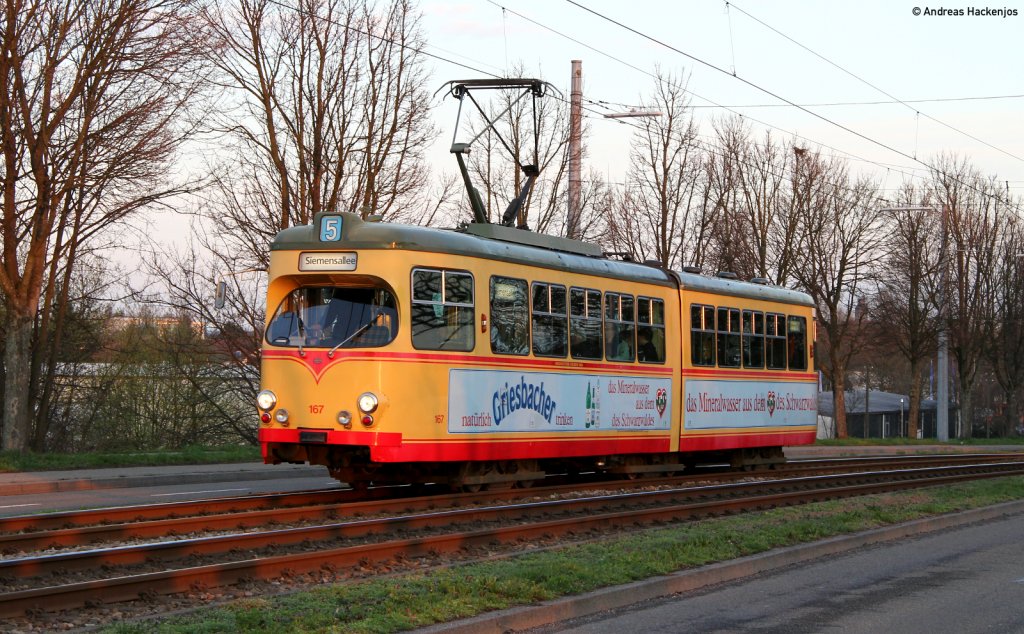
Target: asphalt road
969, 579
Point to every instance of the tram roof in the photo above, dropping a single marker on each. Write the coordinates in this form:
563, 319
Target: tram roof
520, 247
739, 288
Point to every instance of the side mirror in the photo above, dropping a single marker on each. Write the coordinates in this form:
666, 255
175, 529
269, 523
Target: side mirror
222, 286
221, 296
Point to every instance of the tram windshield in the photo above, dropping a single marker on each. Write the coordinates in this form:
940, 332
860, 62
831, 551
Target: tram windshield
329, 316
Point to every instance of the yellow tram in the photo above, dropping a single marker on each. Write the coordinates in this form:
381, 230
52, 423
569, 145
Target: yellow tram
492, 355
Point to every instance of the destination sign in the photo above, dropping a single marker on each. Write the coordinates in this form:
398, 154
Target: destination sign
320, 261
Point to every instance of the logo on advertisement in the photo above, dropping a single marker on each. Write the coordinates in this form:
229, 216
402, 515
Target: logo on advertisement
526, 396
771, 403
661, 401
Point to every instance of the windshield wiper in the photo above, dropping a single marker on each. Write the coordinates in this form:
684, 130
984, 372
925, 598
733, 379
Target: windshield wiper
359, 331
302, 336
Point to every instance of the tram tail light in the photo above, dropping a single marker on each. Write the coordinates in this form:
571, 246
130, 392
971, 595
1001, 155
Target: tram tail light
366, 420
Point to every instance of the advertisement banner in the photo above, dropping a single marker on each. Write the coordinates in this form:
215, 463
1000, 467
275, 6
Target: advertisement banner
501, 401
720, 404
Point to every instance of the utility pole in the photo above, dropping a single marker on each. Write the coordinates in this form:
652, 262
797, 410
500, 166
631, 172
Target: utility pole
572, 229
572, 225
942, 414
867, 400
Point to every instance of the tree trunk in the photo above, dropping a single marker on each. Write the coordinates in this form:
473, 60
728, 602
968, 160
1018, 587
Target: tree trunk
18, 362
966, 409
915, 399
1012, 415
839, 399
45, 394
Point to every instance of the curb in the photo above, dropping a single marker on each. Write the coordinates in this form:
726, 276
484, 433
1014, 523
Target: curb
130, 481
548, 612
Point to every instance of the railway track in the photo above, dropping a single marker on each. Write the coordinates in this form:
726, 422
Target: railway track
423, 529
181, 517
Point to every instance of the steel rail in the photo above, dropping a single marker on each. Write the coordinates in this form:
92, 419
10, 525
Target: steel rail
237, 504
130, 587
166, 510
324, 505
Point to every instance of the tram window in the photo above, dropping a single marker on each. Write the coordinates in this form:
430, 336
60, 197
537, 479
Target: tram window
585, 323
796, 336
550, 330
728, 327
510, 316
334, 316
650, 330
442, 310
702, 334
620, 327
775, 334
753, 339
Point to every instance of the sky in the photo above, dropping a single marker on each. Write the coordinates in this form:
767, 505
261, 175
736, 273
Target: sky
808, 53
969, 69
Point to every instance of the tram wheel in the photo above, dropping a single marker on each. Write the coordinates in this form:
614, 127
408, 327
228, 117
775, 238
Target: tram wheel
526, 466
470, 470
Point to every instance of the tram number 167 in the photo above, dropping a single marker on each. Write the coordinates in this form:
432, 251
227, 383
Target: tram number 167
316, 409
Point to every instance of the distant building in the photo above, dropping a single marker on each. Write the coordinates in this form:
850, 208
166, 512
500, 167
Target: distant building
118, 323
877, 414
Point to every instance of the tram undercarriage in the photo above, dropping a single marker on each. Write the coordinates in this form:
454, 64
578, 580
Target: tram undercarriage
352, 465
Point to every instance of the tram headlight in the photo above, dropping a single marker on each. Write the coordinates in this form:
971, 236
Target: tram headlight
345, 418
266, 400
367, 402
281, 416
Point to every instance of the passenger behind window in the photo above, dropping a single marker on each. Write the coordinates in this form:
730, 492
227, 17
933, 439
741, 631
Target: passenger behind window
620, 348
645, 350
586, 340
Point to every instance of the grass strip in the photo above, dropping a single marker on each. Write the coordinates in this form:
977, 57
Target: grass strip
13, 461
404, 602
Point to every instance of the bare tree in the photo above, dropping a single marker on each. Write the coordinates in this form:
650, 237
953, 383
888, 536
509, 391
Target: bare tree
324, 109
596, 204
908, 299
728, 231
1006, 338
91, 95
222, 366
755, 201
839, 239
663, 200
972, 218
329, 113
